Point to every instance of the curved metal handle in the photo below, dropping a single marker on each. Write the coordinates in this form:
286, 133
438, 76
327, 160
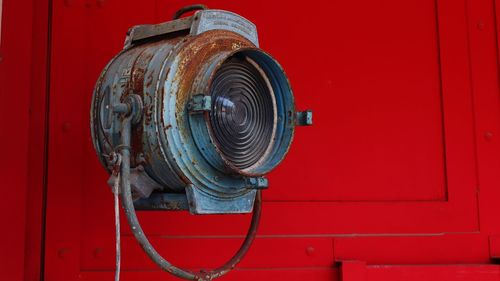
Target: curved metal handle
189, 8
136, 228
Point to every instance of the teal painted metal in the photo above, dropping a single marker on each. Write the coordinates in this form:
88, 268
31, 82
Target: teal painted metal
176, 140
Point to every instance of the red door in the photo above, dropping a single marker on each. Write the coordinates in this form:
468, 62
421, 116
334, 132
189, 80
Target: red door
400, 170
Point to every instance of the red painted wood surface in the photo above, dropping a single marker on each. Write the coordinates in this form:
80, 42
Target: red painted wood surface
15, 91
397, 180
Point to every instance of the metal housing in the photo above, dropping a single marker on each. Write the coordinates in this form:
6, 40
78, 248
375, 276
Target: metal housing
170, 67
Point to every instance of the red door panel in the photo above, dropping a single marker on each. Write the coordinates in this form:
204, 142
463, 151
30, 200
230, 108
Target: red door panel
374, 81
388, 171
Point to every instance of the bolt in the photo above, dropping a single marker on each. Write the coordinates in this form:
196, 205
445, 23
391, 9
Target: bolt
66, 127
140, 158
97, 252
257, 183
488, 136
480, 25
62, 252
310, 250
100, 3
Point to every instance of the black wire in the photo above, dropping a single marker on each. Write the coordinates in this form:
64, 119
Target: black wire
143, 241
189, 8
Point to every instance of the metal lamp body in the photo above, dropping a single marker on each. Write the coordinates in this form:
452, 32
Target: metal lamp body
179, 156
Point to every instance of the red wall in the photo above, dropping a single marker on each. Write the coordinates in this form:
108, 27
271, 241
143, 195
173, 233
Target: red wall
398, 179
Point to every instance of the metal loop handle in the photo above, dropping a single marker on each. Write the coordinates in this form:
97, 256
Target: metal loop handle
135, 226
189, 8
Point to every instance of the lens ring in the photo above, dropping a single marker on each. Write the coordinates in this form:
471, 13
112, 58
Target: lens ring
243, 116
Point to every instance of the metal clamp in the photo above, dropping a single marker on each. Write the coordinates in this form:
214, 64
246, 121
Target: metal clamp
199, 104
304, 118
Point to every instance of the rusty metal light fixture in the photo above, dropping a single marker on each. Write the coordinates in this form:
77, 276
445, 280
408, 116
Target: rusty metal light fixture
191, 115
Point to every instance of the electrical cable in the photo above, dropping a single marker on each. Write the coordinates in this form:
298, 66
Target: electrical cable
116, 195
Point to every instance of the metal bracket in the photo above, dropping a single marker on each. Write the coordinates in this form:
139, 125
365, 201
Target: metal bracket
304, 118
163, 202
199, 104
200, 22
224, 20
202, 203
141, 183
140, 32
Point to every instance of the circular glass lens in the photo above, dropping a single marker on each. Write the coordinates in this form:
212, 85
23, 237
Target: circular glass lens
243, 115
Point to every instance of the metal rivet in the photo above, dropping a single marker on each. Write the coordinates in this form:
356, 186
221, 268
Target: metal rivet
62, 252
310, 251
480, 25
488, 136
100, 3
140, 158
97, 252
66, 127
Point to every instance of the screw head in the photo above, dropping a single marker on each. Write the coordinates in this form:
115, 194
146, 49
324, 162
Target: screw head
310, 251
488, 136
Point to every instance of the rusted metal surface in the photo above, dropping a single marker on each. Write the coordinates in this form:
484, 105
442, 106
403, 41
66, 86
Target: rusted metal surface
153, 105
141, 32
224, 20
283, 122
168, 151
194, 56
177, 149
162, 201
201, 22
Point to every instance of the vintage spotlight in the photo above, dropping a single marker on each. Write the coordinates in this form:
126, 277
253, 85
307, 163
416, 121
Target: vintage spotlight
191, 115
